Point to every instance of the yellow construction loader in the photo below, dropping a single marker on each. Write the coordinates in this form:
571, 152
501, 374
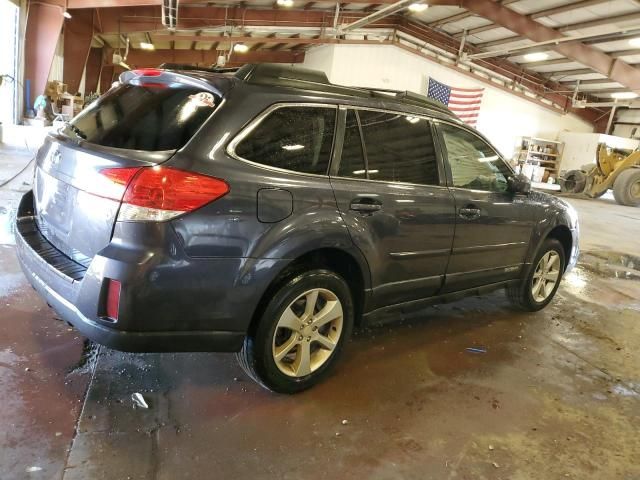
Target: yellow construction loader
616, 169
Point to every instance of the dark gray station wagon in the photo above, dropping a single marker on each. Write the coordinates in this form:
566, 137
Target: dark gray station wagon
268, 211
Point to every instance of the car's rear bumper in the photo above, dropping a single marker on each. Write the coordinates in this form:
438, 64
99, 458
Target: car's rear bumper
174, 341
168, 302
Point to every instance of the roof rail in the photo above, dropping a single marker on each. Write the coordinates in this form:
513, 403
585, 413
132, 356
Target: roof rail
304, 78
417, 99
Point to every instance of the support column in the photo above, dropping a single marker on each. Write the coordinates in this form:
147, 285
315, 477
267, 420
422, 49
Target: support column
44, 23
94, 64
78, 34
106, 77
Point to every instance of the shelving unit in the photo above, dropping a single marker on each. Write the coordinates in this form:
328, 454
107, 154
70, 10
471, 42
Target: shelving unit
538, 158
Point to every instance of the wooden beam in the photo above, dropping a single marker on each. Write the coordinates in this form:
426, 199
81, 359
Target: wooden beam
152, 58
566, 28
460, 16
253, 40
539, 14
73, 4
595, 59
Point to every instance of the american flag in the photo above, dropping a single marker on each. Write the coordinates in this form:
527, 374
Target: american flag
464, 102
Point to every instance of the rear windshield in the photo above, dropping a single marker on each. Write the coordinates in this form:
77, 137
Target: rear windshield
150, 117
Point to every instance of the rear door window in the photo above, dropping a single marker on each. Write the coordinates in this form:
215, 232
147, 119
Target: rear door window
292, 138
152, 117
352, 158
399, 148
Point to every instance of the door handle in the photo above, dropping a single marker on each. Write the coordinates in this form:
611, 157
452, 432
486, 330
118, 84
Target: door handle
469, 212
365, 205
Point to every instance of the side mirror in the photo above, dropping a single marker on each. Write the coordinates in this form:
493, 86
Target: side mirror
519, 184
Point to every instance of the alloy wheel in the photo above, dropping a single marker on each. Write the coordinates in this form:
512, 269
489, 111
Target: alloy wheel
546, 276
307, 332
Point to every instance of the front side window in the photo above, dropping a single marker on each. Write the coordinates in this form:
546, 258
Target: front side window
399, 148
292, 138
474, 164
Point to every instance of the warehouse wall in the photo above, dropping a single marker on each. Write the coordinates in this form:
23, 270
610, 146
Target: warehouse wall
503, 117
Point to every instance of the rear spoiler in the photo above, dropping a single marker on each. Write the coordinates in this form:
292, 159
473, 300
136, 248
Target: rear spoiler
158, 77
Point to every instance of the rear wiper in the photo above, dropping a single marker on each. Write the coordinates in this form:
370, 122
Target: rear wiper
76, 130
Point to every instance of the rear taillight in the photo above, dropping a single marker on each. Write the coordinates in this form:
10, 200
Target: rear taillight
113, 299
159, 193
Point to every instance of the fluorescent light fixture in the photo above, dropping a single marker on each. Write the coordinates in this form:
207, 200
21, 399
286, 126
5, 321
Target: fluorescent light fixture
623, 95
285, 3
635, 42
292, 148
359, 172
147, 46
536, 56
418, 7
411, 119
240, 48
66, 14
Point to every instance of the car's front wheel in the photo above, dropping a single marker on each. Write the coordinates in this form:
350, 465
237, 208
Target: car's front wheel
300, 333
541, 283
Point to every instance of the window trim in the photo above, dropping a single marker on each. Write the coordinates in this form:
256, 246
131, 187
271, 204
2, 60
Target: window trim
257, 120
333, 170
445, 153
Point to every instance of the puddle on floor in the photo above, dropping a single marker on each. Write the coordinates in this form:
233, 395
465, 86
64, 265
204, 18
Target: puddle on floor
606, 277
87, 360
611, 265
7, 221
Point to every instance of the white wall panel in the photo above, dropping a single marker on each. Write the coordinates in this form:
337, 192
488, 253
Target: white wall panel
503, 117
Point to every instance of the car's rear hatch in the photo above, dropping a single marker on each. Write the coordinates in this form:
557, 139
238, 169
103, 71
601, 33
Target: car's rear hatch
140, 123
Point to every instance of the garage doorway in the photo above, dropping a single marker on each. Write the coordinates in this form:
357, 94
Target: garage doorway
8, 61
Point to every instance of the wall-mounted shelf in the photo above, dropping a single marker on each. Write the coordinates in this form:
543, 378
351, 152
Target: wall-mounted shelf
538, 158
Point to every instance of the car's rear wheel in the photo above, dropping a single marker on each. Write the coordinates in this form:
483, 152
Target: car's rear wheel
301, 332
541, 283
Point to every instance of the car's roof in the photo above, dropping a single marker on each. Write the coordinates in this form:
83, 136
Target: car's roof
278, 75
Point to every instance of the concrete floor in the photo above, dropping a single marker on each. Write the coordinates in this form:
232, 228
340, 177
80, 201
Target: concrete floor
556, 395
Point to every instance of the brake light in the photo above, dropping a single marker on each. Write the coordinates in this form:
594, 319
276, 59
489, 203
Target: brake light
113, 299
121, 176
162, 193
112, 183
148, 72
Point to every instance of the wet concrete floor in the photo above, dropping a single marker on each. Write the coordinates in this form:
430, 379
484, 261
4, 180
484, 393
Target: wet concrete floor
556, 395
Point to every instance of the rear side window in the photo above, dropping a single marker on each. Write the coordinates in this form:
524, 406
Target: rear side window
292, 138
399, 148
152, 118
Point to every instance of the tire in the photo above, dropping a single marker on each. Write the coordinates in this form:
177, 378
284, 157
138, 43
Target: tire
522, 295
574, 181
626, 188
291, 374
